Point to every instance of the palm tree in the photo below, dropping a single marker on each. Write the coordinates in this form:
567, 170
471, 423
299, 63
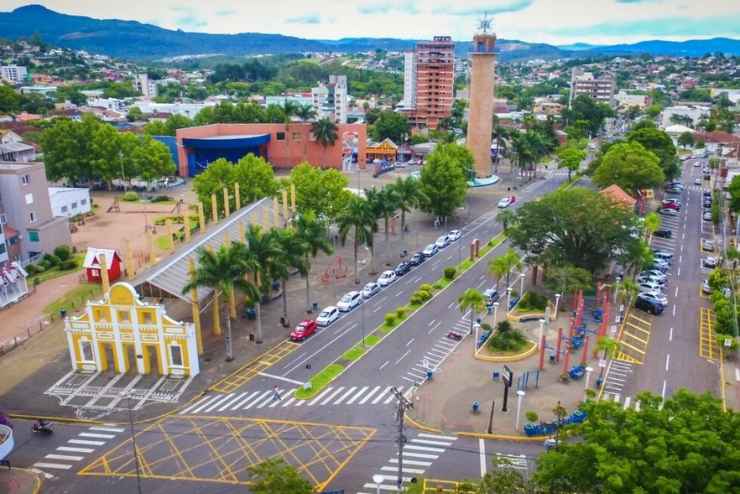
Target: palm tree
357, 216
223, 271
627, 290
292, 250
384, 203
475, 301
325, 132
261, 253
504, 265
305, 112
609, 347
290, 108
314, 235
409, 194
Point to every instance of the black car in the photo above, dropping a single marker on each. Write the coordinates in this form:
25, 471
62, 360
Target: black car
649, 304
663, 233
402, 268
417, 259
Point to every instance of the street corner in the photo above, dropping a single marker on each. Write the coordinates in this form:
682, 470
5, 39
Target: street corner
222, 449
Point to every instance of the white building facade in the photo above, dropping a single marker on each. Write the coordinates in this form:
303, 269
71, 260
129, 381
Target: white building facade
14, 74
69, 201
330, 100
409, 80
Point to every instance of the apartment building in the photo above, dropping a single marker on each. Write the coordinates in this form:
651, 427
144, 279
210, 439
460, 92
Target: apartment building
600, 88
146, 86
25, 206
330, 100
429, 82
14, 74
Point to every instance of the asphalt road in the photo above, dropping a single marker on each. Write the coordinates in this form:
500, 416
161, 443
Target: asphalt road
672, 360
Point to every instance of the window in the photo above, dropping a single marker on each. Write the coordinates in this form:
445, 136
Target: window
83, 201
87, 351
3, 219
2, 247
32, 216
176, 354
280, 136
123, 316
33, 235
296, 136
64, 209
146, 317
29, 198
26, 179
74, 205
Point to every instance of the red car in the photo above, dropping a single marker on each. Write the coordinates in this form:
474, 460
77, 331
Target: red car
671, 205
303, 330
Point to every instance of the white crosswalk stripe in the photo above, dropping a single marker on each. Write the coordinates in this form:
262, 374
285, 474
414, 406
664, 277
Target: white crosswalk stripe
357, 395
69, 455
331, 396
345, 395
369, 395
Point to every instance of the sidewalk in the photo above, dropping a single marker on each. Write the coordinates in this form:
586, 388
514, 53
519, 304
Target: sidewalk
19, 481
446, 402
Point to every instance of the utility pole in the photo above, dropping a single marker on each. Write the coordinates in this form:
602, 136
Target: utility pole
403, 405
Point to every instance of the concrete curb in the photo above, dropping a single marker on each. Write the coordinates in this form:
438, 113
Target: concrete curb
51, 418
416, 424
509, 358
504, 437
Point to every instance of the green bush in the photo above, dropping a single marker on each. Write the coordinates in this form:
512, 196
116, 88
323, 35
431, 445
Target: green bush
390, 319
507, 341
427, 287
51, 260
533, 301
68, 265
63, 252
162, 198
130, 196
32, 269
486, 327
450, 272
504, 326
400, 313
438, 285
532, 416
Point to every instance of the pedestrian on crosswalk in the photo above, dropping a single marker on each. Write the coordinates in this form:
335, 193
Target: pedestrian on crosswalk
275, 394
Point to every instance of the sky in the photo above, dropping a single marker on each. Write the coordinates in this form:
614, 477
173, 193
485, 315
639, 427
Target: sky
546, 21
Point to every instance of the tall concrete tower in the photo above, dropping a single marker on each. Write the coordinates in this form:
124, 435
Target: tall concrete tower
480, 114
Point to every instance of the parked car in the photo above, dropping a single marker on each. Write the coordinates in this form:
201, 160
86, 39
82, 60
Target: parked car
303, 330
671, 204
506, 202
710, 262
370, 289
663, 233
662, 254
491, 295
654, 273
349, 301
697, 181
647, 279
454, 235
649, 304
430, 250
657, 296
327, 316
442, 242
402, 268
659, 267
705, 288
668, 212
707, 245
650, 286
386, 278
707, 216
417, 259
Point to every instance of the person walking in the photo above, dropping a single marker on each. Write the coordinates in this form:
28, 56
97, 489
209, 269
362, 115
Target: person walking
275, 394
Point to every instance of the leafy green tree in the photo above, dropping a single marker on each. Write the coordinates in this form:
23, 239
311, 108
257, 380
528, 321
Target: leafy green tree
475, 301
254, 175
322, 191
734, 189
661, 144
391, 125
409, 194
586, 109
687, 445
305, 113
274, 476
630, 166
444, 179
261, 254
503, 479
152, 159
577, 226
314, 234
293, 250
10, 100
651, 223
504, 265
686, 139
67, 148
384, 203
224, 272
567, 279
359, 218
325, 132
168, 127
571, 158
134, 114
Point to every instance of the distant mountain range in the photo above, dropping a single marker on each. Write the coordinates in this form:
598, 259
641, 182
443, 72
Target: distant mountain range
135, 40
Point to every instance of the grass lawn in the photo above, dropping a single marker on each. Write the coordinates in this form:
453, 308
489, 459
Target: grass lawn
319, 381
55, 272
164, 242
73, 299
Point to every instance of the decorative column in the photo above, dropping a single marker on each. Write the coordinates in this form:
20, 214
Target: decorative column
195, 306
237, 197
201, 218
227, 207
104, 280
214, 208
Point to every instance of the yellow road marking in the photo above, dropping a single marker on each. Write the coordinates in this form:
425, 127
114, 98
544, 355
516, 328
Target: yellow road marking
623, 357
251, 369
637, 338
640, 319
708, 347
632, 347
637, 327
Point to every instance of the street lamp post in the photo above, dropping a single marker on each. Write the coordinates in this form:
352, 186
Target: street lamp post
540, 333
521, 284
520, 397
589, 370
475, 344
362, 321
377, 480
495, 312
557, 304
508, 298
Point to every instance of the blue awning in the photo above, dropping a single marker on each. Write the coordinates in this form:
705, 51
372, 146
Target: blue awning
227, 142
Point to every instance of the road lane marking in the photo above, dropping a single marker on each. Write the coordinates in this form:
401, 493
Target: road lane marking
670, 335
346, 328
67, 449
63, 457
431, 323
108, 429
405, 470
377, 308
403, 356
369, 395
424, 448
482, 448
281, 378
331, 396
408, 343
676, 292
381, 395
309, 357
218, 402
286, 395
384, 364
232, 401
201, 407
242, 402
674, 310
393, 397
667, 361
680, 258
259, 398
53, 466
357, 395
345, 395
436, 436
320, 396
86, 443
662, 393
96, 436
679, 272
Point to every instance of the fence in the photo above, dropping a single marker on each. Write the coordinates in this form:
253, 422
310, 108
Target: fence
8, 346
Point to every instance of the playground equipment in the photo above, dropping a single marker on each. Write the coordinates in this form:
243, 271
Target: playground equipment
7, 443
522, 382
548, 428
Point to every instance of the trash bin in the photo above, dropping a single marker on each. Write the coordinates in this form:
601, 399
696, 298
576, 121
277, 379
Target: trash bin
251, 337
315, 307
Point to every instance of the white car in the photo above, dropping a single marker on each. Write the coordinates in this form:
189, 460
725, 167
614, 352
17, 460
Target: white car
349, 301
442, 242
370, 289
386, 278
454, 235
710, 262
705, 288
653, 274
506, 202
668, 212
650, 286
659, 296
430, 250
327, 316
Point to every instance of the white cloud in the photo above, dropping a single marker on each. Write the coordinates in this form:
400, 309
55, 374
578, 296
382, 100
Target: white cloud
552, 21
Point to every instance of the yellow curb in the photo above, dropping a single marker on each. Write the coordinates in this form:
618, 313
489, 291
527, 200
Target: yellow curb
509, 358
421, 426
504, 437
52, 418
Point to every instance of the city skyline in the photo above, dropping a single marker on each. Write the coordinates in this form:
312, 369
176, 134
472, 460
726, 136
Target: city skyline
605, 22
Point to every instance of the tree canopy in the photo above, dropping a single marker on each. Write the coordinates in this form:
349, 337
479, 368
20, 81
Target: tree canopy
659, 143
689, 445
576, 226
586, 109
321, 191
630, 166
444, 178
571, 157
390, 125
274, 476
